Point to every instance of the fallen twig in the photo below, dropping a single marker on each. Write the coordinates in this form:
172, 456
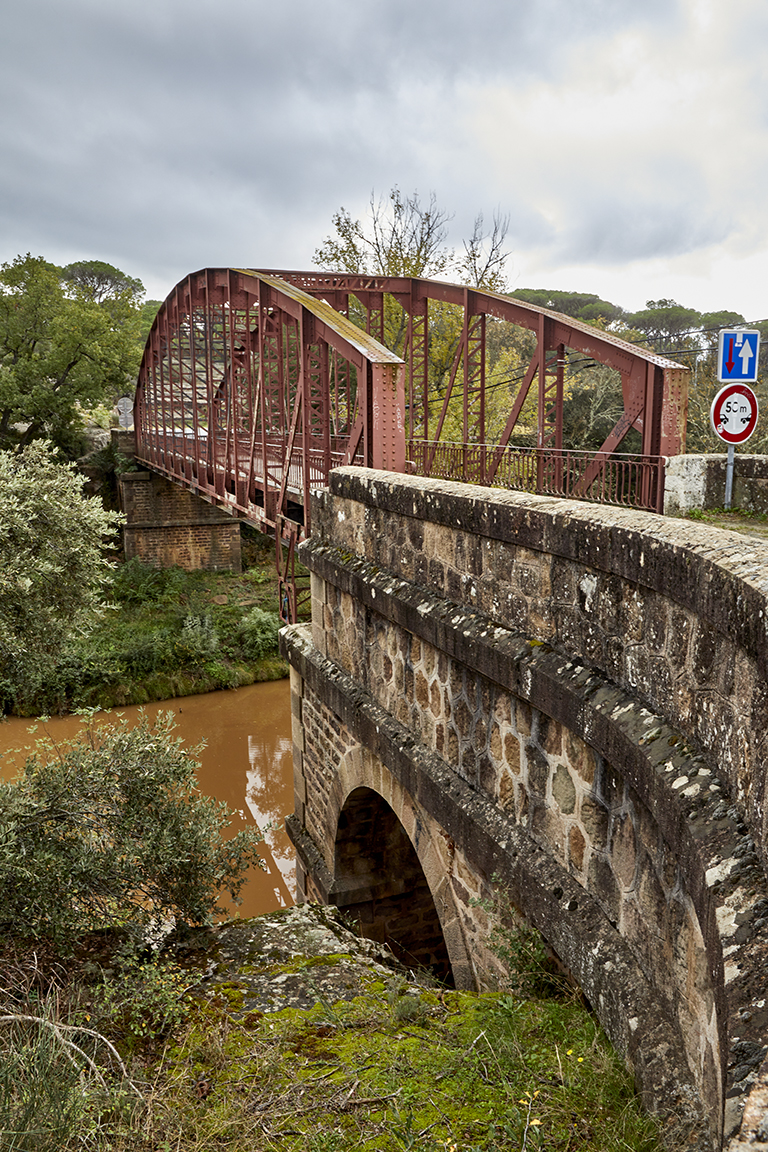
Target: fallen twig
58, 1028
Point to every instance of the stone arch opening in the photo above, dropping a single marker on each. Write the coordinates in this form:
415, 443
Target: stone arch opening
380, 883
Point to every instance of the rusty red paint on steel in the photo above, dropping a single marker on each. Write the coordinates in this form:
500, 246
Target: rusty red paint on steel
250, 391
659, 436
255, 383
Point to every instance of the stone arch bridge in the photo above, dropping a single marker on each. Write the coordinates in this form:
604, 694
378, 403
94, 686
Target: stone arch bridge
570, 699
568, 702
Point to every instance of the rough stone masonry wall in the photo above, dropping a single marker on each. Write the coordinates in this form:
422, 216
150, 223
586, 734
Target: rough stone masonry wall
330, 762
580, 672
166, 525
699, 482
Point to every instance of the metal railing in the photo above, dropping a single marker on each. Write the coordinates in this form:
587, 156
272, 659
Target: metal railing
623, 479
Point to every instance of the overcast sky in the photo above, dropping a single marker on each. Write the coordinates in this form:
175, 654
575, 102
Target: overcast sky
627, 139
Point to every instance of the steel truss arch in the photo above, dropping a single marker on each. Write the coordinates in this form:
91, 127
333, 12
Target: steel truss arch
255, 383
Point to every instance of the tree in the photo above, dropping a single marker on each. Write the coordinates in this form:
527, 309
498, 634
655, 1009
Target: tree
484, 259
52, 565
99, 281
593, 405
66, 343
667, 325
111, 831
403, 238
584, 306
147, 313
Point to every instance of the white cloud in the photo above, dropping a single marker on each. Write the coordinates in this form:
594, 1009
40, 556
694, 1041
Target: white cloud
647, 153
628, 142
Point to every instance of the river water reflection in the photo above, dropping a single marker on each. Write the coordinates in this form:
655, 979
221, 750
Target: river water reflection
246, 762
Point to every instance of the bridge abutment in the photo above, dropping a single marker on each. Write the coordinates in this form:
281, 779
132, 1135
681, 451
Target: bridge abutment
167, 524
555, 701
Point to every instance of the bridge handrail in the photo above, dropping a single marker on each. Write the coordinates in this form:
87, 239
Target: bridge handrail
624, 479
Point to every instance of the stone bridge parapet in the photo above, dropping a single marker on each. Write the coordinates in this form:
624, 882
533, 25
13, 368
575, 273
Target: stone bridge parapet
571, 703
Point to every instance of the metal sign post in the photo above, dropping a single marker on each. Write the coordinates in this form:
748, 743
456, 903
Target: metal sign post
729, 476
734, 410
733, 417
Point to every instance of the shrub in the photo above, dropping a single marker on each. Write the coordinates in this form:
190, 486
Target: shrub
257, 633
531, 969
51, 566
135, 582
112, 831
145, 997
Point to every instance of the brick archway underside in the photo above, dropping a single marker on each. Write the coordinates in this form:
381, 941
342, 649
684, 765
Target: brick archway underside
380, 883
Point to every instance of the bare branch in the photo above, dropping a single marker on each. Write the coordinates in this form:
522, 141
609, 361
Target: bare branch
401, 237
484, 259
57, 1029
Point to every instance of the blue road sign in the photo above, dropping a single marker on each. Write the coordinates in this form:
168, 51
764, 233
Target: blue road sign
737, 355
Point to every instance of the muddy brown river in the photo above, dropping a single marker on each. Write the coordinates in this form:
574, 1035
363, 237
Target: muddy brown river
246, 762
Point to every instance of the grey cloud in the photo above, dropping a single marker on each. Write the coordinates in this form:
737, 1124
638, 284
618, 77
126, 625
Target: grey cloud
163, 135
607, 232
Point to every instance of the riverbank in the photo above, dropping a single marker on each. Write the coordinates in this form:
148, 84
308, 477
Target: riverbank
167, 633
288, 1032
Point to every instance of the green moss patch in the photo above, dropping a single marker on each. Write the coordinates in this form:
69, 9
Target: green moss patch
427, 1070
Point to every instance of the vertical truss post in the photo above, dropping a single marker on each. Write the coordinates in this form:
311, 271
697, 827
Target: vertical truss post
160, 373
233, 461
388, 409
542, 405
293, 589
267, 371
374, 305
306, 339
193, 384
652, 415
324, 408
209, 382
473, 344
674, 411
418, 372
558, 417
551, 373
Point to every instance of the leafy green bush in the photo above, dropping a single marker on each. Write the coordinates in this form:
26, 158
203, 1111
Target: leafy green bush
141, 655
52, 566
531, 969
112, 831
144, 997
137, 583
257, 633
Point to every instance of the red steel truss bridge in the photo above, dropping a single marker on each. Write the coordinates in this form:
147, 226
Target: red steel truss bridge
255, 383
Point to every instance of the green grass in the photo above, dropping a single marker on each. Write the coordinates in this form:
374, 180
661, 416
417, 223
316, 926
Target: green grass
407, 1065
735, 519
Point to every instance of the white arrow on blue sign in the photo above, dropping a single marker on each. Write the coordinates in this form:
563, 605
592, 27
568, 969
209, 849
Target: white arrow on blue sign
738, 354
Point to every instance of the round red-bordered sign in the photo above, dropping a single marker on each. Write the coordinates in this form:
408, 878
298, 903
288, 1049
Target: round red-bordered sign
734, 413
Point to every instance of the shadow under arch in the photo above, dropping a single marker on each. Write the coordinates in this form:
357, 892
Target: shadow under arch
379, 882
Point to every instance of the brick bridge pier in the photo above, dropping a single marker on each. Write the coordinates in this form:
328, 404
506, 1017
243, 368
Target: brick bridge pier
570, 703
